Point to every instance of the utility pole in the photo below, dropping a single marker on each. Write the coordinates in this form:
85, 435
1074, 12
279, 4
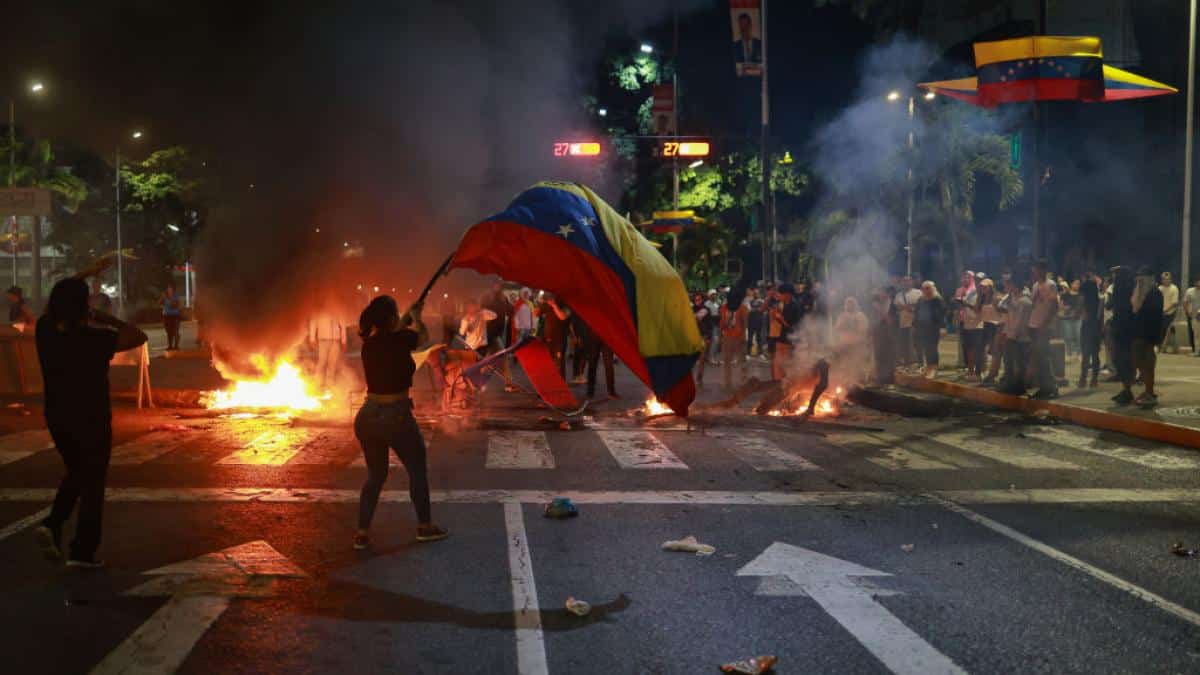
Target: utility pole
675, 105
1189, 151
1038, 170
766, 163
12, 173
912, 111
120, 255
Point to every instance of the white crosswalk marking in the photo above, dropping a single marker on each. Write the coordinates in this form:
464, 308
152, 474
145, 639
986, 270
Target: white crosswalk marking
270, 448
145, 448
519, 450
18, 446
639, 450
1087, 440
1010, 451
896, 458
760, 453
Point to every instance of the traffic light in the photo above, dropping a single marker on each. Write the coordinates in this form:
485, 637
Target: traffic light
584, 149
684, 149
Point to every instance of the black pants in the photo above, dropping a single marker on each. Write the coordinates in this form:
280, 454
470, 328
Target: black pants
597, 351
905, 338
926, 337
755, 335
86, 453
1123, 359
986, 337
1089, 347
171, 324
379, 426
1016, 360
1043, 370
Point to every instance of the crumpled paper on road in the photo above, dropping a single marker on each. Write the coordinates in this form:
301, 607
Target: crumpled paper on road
689, 544
578, 607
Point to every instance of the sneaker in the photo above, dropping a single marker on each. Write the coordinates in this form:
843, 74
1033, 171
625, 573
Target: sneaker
361, 542
1043, 395
1123, 398
88, 563
427, 533
1148, 401
48, 541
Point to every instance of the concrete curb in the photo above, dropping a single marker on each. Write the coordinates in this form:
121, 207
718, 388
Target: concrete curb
1140, 427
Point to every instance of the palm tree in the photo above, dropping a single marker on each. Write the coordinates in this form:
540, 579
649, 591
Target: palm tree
36, 168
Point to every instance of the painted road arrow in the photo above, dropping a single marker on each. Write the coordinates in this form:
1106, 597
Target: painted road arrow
200, 590
828, 581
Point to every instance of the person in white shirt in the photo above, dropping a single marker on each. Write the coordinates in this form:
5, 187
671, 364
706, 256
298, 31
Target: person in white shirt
1170, 293
1191, 308
474, 326
1041, 324
523, 315
905, 303
327, 334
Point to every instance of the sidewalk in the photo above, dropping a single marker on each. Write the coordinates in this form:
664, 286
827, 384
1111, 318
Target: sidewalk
1176, 419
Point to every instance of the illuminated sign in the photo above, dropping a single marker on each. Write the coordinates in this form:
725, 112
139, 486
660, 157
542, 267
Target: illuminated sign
576, 149
685, 149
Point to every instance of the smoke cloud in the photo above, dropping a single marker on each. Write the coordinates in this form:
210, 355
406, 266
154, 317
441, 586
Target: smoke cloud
433, 115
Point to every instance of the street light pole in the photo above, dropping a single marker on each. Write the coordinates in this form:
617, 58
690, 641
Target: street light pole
766, 164
12, 173
1189, 149
912, 110
120, 255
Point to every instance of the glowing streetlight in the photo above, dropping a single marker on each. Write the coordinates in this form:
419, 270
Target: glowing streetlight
893, 96
603, 112
37, 87
647, 48
696, 164
136, 135
929, 96
172, 227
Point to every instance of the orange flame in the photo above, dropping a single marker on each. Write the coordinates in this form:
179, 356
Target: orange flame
285, 387
654, 407
825, 407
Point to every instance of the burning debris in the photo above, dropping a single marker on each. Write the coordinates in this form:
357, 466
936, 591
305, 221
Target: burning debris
281, 387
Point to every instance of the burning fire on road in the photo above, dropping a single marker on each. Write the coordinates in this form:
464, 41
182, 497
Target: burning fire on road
281, 387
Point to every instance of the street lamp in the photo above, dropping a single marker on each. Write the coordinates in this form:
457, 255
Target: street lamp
929, 96
647, 48
893, 96
35, 88
696, 164
603, 112
136, 135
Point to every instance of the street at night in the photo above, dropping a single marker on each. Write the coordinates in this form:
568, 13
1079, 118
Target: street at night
534, 337
979, 543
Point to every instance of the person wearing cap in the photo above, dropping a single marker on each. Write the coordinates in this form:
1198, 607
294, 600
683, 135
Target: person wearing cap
18, 312
972, 332
957, 306
1147, 305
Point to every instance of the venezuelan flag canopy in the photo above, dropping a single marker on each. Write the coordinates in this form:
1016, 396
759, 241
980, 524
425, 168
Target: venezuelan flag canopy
1046, 68
563, 238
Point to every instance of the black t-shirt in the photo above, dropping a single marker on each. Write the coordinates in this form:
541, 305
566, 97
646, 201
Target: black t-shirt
75, 373
503, 310
388, 363
554, 329
792, 315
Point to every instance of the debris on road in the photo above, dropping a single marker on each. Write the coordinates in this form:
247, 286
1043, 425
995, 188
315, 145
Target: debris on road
561, 507
170, 427
689, 544
578, 607
907, 548
1183, 552
752, 666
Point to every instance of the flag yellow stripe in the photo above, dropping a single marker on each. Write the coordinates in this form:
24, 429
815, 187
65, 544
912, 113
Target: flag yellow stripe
1035, 47
1124, 76
964, 84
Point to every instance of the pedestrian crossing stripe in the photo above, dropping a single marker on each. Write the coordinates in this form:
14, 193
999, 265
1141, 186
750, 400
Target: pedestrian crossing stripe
948, 450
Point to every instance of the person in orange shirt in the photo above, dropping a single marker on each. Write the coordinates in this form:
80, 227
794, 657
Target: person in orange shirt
733, 334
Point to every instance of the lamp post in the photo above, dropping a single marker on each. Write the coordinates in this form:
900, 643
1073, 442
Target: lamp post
35, 88
136, 135
892, 97
1189, 149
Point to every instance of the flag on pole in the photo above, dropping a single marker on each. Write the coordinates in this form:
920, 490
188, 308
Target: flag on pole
563, 238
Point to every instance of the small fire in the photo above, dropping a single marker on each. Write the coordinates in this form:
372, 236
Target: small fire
656, 407
824, 407
284, 388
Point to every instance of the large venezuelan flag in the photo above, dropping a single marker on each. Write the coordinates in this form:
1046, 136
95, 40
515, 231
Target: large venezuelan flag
563, 238
1046, 68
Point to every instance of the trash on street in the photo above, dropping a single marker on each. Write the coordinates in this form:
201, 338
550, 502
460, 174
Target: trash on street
752, 666
689, 544
578, 607
561, 507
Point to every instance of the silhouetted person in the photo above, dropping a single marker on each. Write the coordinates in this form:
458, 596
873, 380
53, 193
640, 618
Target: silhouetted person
1123, 331
386, 419
74, 357
172, 312
18, 311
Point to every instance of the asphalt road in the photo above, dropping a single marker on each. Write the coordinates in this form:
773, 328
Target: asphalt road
977, 544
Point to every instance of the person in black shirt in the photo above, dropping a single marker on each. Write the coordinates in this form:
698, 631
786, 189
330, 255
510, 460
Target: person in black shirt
386, 419
74, 357
18, 311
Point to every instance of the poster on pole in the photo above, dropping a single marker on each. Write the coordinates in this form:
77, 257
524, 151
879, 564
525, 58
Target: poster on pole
663, 110
747, 37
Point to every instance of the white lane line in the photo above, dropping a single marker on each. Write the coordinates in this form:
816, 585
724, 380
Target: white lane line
20, 525
639, 450
519, 450
897, 458
148, 447
163, 642
270, 448
18, 446
531, 644
1005, 450
1087, 440
662, 497
1067, 559
760, 453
